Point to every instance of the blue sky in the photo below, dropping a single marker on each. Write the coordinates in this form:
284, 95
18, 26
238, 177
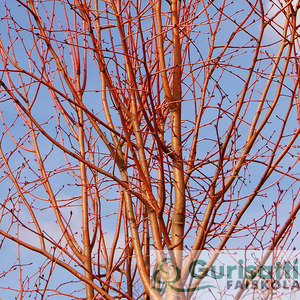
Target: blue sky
43, 111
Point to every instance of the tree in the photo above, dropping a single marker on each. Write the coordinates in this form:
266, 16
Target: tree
130, 127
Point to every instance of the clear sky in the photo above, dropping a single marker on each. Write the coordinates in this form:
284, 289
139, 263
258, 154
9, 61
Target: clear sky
66, 185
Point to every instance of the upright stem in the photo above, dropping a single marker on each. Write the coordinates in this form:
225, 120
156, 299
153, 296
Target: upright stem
85, 211
178, 218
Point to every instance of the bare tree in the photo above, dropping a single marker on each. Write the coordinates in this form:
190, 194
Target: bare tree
130, 126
